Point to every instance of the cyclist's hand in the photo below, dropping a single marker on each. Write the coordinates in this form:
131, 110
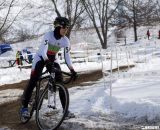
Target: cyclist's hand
47, 62
74, 75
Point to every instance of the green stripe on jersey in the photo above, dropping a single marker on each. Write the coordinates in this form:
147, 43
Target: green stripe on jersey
53, 48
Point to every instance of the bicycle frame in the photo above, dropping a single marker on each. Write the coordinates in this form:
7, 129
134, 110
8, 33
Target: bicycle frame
51, 83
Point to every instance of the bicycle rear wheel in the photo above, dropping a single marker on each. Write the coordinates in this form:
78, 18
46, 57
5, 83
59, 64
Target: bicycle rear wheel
50, 113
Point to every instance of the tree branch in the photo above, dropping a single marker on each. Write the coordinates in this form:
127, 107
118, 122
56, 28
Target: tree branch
14, 19
7, 15
56, 9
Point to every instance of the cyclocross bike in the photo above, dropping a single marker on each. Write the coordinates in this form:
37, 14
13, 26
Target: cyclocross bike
46, 101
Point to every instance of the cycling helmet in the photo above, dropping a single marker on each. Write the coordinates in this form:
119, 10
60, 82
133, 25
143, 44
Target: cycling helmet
61, 21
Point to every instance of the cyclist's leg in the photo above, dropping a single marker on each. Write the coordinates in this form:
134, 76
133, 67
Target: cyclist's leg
37, 68
59, 78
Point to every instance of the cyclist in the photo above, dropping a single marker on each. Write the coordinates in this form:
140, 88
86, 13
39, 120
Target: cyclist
148, 34
53, 41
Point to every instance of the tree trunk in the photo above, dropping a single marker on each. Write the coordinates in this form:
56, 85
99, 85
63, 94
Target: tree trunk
104, 44
134, 22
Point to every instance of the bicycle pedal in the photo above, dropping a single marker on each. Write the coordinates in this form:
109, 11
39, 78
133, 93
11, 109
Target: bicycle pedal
50, 106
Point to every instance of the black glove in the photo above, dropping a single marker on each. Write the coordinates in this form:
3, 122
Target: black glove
45, 61
74, 74
48, 64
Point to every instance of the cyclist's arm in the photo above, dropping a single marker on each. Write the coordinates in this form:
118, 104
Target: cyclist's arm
67, 57
43, 49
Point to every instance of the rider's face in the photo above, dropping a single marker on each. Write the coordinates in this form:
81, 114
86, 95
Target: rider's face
63, 30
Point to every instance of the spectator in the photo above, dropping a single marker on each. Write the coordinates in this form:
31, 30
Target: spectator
159, 34
19, 58
148, 34
30, 56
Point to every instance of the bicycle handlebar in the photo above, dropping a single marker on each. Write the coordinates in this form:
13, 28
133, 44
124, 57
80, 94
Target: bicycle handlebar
65, 73
55, 69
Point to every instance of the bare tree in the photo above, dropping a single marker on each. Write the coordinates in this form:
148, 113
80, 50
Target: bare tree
6, 21
100, 13
73, 11
138, 12
24, 34
145, 10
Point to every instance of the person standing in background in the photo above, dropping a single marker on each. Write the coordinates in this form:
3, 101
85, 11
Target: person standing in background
148, 34
19, 58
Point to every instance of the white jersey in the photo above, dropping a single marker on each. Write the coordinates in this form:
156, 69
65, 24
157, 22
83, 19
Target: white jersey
51, 46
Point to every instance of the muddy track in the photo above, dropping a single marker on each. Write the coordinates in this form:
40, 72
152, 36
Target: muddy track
9, 111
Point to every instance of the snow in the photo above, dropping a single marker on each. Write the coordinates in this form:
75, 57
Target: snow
9, 95
135, 93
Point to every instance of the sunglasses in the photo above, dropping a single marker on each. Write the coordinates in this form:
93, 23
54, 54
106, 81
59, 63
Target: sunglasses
65, 27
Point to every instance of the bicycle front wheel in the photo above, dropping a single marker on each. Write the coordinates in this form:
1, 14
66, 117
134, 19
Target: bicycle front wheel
50, 112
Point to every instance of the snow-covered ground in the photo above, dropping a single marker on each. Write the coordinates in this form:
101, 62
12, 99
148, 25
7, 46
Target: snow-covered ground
133, 97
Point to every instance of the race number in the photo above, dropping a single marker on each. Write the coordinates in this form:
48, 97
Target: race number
67, 49
46, 42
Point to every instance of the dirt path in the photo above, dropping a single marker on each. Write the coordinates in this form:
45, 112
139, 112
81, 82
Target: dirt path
9, 111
